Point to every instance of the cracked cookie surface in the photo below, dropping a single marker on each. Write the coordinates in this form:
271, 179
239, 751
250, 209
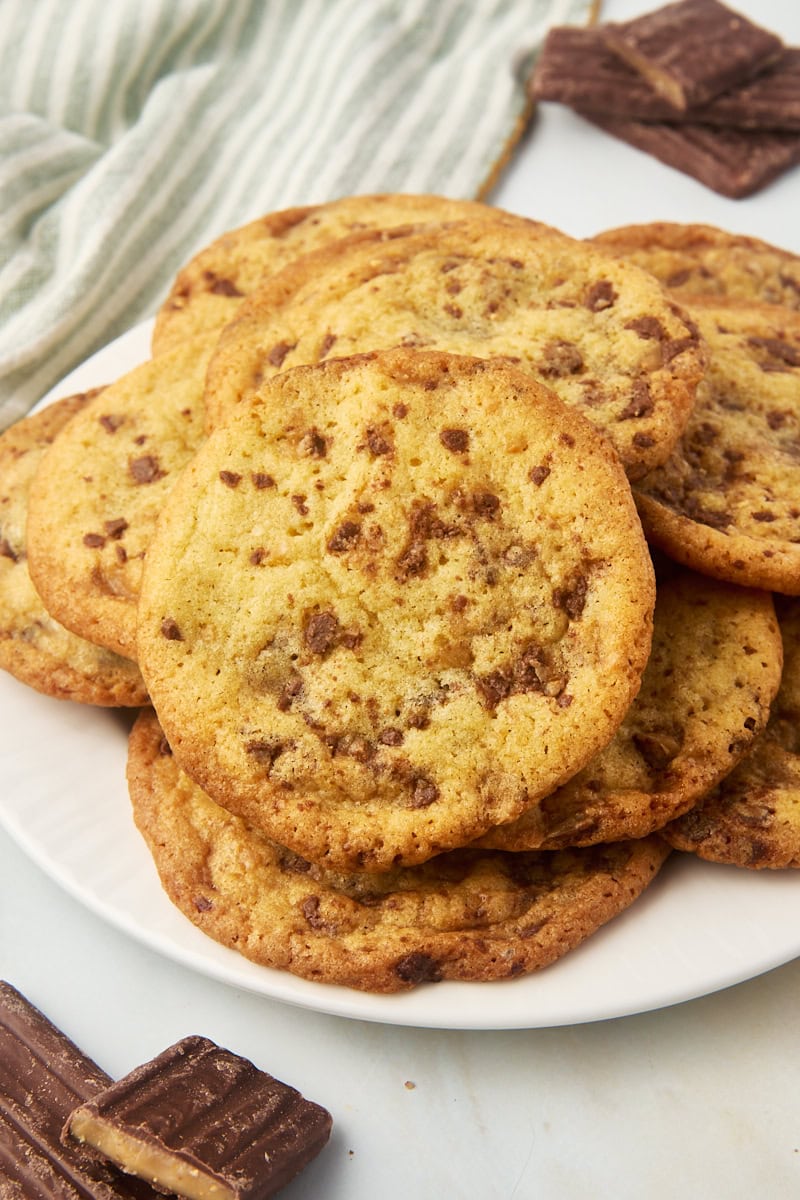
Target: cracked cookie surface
467, 915
726, 501
601, 333
209, 289
394, 601
100, 486
34, 647
714, 668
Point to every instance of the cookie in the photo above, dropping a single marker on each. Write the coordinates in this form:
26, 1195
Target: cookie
600, 333
703, 260
726, 501
210, 288
752, 818
380, 614
34, 647
714, 668
100, 486
468, 915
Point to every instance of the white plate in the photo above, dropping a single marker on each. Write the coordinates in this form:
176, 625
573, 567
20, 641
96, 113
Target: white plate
63, 797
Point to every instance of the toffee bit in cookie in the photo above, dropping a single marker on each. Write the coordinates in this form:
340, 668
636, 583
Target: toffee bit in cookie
265, 750
601, 294
278, 353
313, 444
326, 345
559, 359
299, 501
171, 630
115, 527
344, 538
377, 443
225, 287
486, 504
391, 737
456, 440
647, 327
424, 792
231, 479
417, 968
146, 469
572, 600
641, 402
95, 541
262, 480
538, 474
321, 632
111, 422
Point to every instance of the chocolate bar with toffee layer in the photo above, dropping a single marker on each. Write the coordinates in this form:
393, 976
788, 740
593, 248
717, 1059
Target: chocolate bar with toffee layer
576, 68
693, 50
43, 1076
203, 1123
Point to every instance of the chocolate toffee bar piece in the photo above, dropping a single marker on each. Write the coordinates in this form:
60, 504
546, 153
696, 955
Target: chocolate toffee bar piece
203, 1123
691, 51
575, 67
733, 162
43, 1076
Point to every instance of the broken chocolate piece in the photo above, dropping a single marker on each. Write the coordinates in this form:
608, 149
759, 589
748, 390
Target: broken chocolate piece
577, 68
204, 1123
43, 1075
693, 50
733, 162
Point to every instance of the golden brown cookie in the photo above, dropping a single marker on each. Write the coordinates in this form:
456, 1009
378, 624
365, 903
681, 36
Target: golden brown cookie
727, 502
393, 602
752, 818
714, 668
468, 915
34, 647
701, 259
602, 334
210, 288
100, 487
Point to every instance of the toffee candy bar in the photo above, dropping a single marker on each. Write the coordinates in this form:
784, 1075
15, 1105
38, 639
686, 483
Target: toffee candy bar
204, 1123
577, 68
43, 1075
691, 51
733, 162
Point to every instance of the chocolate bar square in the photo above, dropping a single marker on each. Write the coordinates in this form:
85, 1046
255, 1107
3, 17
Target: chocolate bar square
576, 67
693, 50
734, 162
43, 1076
203, 1123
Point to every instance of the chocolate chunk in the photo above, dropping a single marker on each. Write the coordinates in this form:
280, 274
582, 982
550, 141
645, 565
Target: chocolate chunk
201, 1116
43, 1076
690, 51
577, 68
733, 162
146, 469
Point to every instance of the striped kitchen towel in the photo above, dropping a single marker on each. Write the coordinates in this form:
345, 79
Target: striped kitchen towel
134, 132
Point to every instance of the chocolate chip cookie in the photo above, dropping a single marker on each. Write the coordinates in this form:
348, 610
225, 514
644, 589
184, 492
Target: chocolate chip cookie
752, 818
714, 668
601, 333
380, 614
703, 260
726, 502
34, 647
100, 486
210, 288
467, 915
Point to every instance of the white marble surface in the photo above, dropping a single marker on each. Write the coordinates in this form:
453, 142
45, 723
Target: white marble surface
697, 1100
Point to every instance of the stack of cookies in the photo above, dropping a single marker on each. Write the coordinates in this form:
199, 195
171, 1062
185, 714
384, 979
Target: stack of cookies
439, 550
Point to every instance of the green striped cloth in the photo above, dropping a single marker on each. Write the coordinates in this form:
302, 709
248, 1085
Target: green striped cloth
132, 132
